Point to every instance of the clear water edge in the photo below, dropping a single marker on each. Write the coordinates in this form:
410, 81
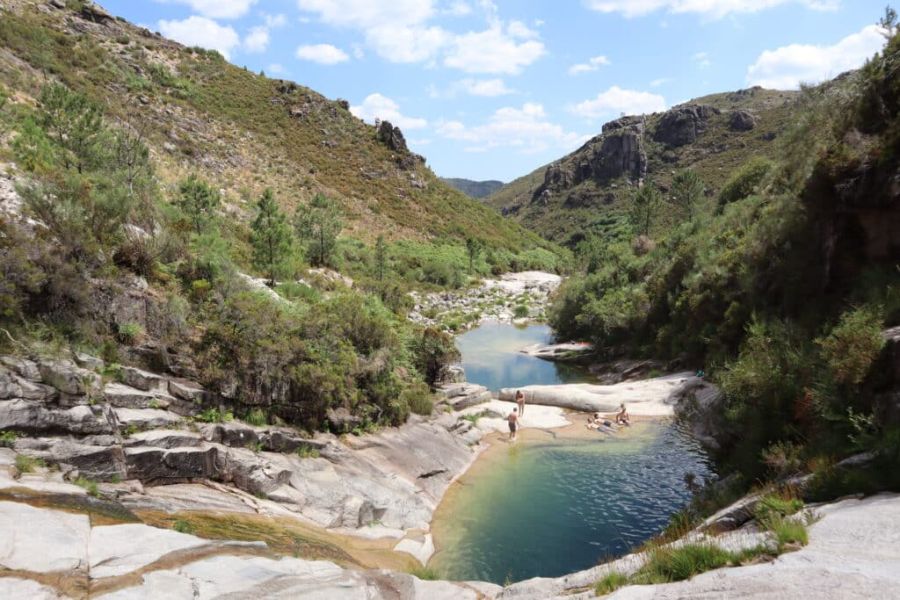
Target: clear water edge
557, 501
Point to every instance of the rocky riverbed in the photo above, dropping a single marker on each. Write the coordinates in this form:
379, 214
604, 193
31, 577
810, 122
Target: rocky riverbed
515, 297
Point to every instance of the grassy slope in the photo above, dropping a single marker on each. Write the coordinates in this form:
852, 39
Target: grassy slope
200, 113
716, 153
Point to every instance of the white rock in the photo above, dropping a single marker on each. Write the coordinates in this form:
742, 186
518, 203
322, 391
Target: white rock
119, 549
42, 541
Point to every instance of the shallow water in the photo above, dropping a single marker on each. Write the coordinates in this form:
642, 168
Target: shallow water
491, 357
548, 508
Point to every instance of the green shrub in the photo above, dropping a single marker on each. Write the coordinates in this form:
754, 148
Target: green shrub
610, 583
307, 452
789, 531
668, 564
130, 333
520, 311
28, 464
257, 417
183, 526
745, 180
852, 346
418, 397
8, 439
432, 351
88, 484
297, 291
214, 415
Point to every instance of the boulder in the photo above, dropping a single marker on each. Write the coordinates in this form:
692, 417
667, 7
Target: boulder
391, 137
450, 374
161, 465
237, 435
123, 396
87, 361
164, 438
187, 390
33, 417
69, 378
14, 386
683, 124
741, 120
144, 380
342, 420
96, 462
146, 418
22, 367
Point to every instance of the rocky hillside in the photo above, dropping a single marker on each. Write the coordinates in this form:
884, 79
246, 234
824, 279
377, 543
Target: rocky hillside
587, 191
475, 189
240, 130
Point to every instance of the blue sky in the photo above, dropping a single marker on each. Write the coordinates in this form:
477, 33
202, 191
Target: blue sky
493, 89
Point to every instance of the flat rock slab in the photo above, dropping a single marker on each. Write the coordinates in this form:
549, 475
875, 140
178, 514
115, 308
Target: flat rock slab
120, 549
537, 416
42, 541
146, 418
421, 549
649, 397
13, 587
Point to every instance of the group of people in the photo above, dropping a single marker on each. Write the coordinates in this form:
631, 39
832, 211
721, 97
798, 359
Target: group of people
594, 422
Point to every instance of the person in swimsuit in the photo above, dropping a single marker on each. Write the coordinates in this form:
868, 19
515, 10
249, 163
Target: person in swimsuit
513, 420
622, 415
520, 400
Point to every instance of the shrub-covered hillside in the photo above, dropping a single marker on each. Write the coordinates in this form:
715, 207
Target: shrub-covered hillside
243, 131
780, 288
587, 192
160, 207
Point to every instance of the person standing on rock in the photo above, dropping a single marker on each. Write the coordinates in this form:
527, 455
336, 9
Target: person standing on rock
513, 420
520, 400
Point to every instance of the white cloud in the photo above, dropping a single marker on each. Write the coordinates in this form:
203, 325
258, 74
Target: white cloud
324, 54
458, 9
702, 60
710, 8
365, 14
591, 65
526, 129
257, 40
399, 31
217, 9
376, 106
406, 44
485, 87
203, 32
276, 69
615, 101
788, 66
275, 21
494, 50
660, 81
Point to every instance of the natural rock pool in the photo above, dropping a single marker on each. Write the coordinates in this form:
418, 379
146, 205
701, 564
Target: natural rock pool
556, 501
491, 357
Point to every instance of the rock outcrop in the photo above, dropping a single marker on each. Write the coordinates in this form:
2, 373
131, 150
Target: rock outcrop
683, 124
741, 120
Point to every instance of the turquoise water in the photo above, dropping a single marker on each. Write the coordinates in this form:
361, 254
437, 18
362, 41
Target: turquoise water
555, 507
548, 505
491, 357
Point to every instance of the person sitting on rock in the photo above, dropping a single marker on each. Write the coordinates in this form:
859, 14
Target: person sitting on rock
513, 420
594, 421
622, 416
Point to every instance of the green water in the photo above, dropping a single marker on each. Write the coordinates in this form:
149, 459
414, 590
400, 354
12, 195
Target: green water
491, 357
551, 508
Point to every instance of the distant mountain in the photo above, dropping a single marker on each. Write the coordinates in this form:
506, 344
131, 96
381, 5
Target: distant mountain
587, 190
475, 189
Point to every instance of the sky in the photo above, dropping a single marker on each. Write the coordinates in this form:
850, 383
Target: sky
492, 89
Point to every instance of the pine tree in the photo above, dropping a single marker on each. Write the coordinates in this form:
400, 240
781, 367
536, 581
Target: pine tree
473, 248
271, 237
644, 203
199, 201
687, 189
319, 225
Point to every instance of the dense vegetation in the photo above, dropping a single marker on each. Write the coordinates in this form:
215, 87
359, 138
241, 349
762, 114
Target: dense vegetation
780, 288
147, 209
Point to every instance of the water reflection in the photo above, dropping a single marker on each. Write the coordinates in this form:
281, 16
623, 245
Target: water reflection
491, 357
